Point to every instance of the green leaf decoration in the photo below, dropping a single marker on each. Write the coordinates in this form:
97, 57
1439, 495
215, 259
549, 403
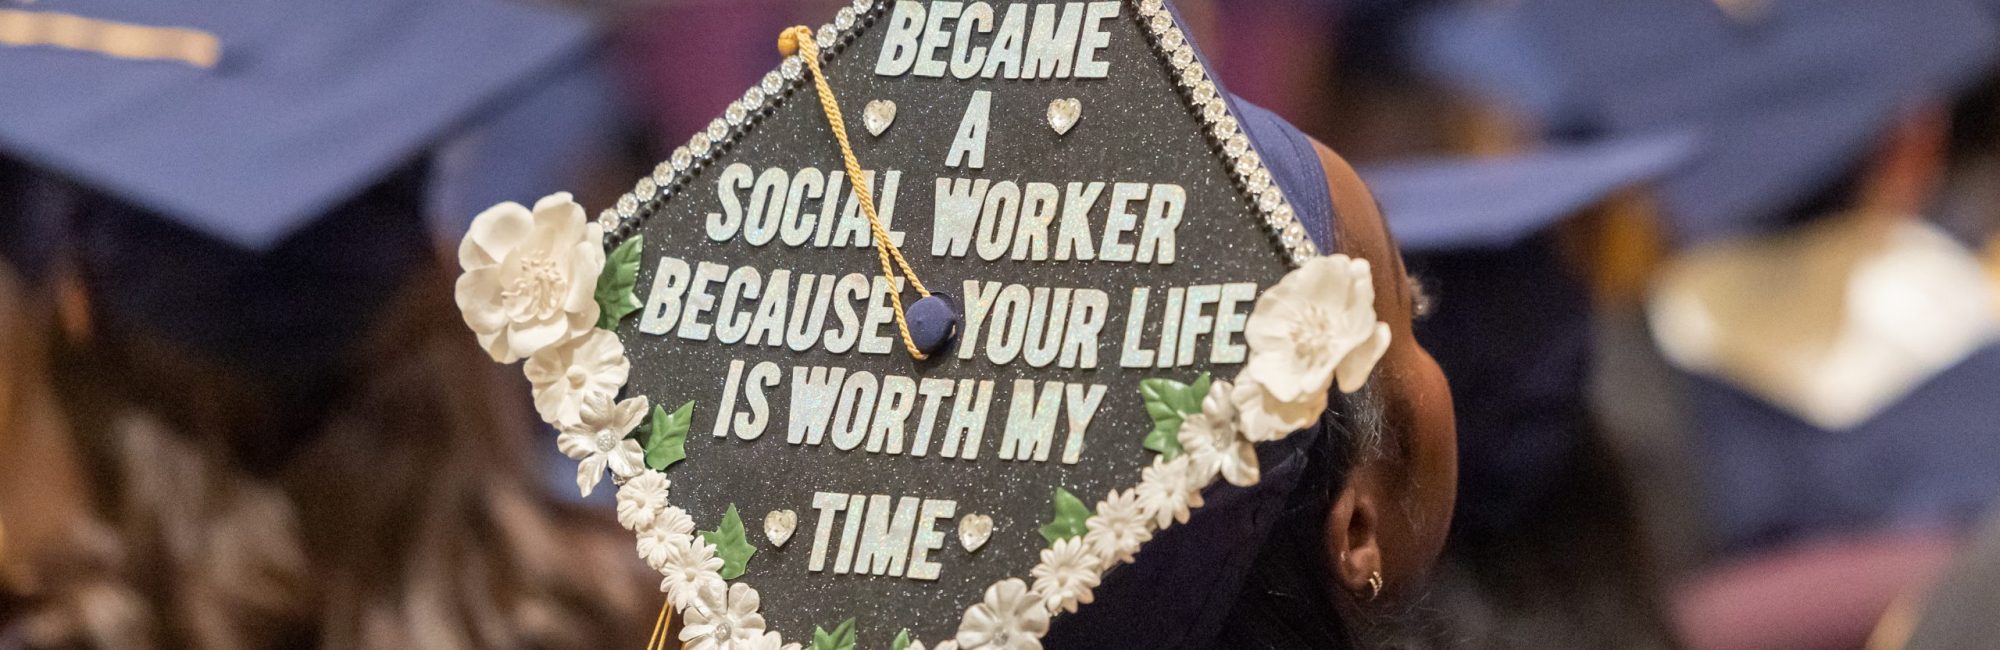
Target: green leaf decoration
734, 550
1169, 402
616, 297
842, 637
1069, 520
667, 442
902, 641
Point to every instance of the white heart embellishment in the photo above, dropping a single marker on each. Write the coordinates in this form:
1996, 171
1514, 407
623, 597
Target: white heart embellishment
778, 526
1064, 113
878, 115
973, 531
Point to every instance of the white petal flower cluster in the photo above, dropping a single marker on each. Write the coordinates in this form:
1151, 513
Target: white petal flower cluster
599, 441
1214, 442
726, 620
1315, 328
1117, 529
1011, 617
691, 569
642, 499
1066, 575
530, 277
565, 376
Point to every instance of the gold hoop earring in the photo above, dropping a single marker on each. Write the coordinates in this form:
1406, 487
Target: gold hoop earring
1374, 585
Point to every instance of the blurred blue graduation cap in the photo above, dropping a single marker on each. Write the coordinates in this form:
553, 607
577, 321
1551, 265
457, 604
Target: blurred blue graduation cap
1925, 463
1786, 94
307, 104
1486, 49
1483, 203
248, 180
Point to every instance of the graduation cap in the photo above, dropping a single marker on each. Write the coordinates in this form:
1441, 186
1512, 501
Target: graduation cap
930, 336
1483, 203
1785, 95
1512, 325
243, 180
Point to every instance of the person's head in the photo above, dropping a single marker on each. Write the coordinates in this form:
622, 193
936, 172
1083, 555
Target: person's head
1392, 513
1347, 560
397, 506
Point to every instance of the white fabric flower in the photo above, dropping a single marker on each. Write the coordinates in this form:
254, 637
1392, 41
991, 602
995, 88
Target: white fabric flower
1262, 417
567, 375
1117, 530
1168, 490
1316, 324
672, 526
725, 620
690, 568
1010, 618
530, 279
1211, 439
641, 499
1066, 575
599, 441
769, 641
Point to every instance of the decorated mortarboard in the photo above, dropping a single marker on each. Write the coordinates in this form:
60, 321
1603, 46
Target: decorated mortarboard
1787, 95
938, 327
1469, 203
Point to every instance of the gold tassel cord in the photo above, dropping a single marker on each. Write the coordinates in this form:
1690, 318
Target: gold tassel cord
799, 40
660, 625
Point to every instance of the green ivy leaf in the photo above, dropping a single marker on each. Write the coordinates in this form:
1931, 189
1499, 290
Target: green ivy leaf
902, 641
841, 638
1169, 402
1069, 519
616, 297
666, 443
730, 545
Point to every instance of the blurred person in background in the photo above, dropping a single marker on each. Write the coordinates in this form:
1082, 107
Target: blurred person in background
237, 406
1822, 342
1546, 547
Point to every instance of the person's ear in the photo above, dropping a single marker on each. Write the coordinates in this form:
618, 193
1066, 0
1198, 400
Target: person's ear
1354, 538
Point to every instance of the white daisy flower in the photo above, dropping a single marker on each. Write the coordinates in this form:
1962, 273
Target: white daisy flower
1168, 490
530, 278
725, 620
599, 441
690, 567
1116, 531
1211, 439
641, 499
1262, 417
567, 375
1066, 575
1010, 618
671, 527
